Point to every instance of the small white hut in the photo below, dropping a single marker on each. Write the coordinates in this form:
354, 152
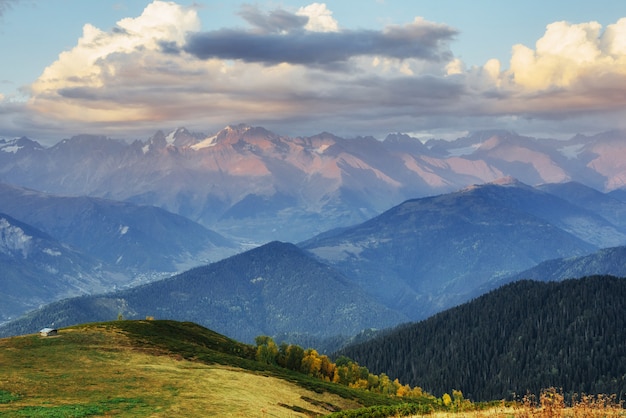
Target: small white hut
48, 332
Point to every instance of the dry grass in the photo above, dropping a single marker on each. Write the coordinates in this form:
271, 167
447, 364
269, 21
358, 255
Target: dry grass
89, 373
551, 404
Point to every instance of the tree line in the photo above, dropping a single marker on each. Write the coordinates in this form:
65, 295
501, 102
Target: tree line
343, 371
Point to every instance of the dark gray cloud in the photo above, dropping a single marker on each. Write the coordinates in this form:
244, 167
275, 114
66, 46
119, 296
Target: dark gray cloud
303, 47
279, 37
276, 21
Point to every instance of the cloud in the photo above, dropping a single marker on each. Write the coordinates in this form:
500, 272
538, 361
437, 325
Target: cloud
92, 72
132, 75
320, 19
299, 72
277, 21
562, 55
575, 69
290, 43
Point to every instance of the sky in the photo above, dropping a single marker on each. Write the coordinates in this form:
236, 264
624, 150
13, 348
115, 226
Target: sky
442, 69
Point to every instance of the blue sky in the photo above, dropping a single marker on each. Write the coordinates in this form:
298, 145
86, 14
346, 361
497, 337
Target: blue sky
431, 68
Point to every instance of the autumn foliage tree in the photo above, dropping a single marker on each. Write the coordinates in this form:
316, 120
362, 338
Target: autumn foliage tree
266, 349
344, 371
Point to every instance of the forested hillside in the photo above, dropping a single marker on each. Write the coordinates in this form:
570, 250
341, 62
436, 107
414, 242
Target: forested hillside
522, 337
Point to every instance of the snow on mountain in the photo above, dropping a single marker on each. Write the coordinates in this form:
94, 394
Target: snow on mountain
13, 239
16, 145
205, 143
571, 151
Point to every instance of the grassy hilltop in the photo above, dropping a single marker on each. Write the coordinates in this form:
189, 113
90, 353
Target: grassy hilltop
156, 368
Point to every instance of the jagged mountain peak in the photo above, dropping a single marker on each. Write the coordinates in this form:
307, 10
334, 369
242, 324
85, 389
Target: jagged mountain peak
157, 141
85, 138
325, 176
485, 135
401, 138
236, 132
88, 144
230, 135
19, 145
239, 128
324, 136
182, 137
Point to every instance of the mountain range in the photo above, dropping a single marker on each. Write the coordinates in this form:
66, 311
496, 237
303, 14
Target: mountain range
57, 246
429, 254
412, 261
135, 237
252, 184
395, 230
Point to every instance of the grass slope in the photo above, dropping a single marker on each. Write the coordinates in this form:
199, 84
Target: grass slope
157, 369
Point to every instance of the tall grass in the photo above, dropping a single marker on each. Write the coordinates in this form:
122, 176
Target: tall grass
552, 403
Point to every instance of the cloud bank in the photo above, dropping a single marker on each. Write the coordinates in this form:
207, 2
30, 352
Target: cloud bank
299, 72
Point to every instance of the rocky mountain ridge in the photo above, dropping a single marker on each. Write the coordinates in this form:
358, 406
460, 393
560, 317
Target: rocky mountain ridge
253, 184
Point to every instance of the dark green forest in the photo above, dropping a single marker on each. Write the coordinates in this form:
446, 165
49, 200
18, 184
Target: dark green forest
520, 338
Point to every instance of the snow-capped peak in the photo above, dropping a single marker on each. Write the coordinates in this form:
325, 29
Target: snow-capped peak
15, 145
205, 143
171, 137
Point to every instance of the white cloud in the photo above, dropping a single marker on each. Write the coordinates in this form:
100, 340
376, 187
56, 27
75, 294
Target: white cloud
82, 83
614, 39
492, 68
320, 18
569, 53
455, 67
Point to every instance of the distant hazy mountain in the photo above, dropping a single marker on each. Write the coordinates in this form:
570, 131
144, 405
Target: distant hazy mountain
607, 205
36, 269
429, 254
609, 261
256, 185
271, 290
520, 338
56, 247
132, 238
416, 259
619, 194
